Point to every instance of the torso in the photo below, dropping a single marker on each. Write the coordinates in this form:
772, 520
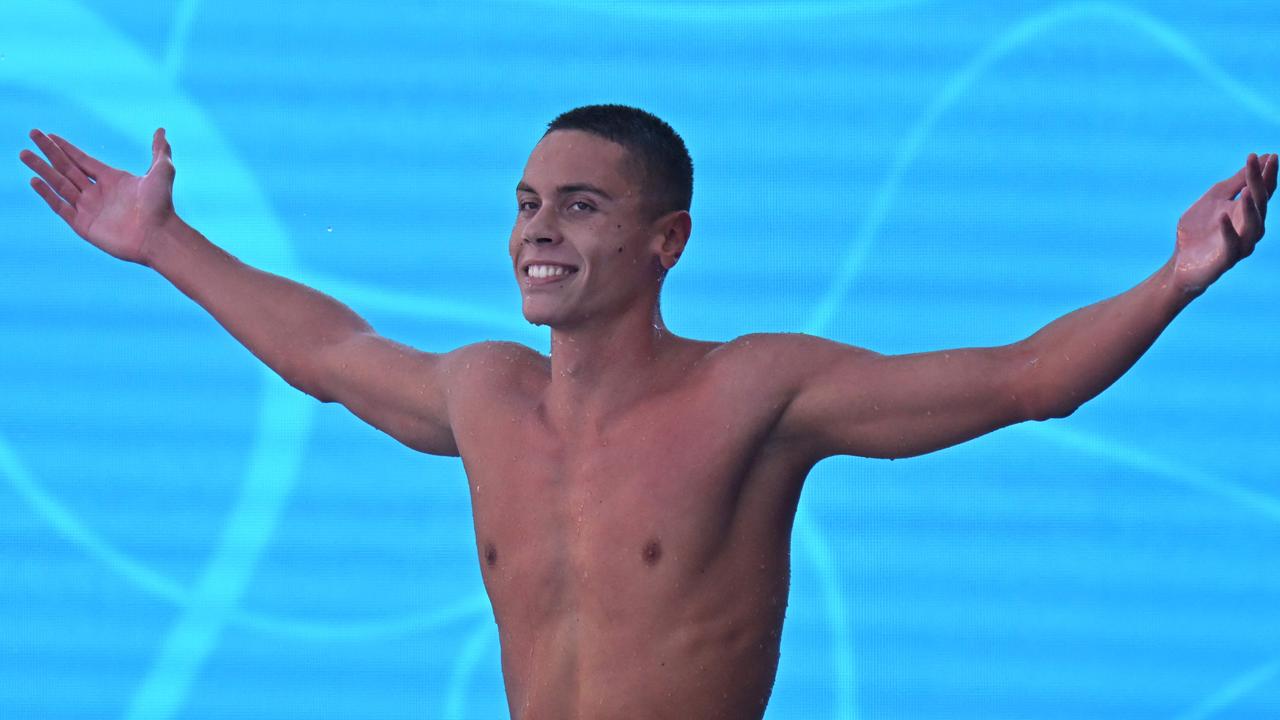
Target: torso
638, 567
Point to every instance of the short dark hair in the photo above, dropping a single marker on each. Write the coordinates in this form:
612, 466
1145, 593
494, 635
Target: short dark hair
658, 149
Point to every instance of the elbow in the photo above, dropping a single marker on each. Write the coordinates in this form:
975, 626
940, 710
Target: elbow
307, 382
1047, 402
306, 387
1040, 398
1056, 412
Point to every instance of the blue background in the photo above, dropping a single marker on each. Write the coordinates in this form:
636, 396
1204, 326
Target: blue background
182, 535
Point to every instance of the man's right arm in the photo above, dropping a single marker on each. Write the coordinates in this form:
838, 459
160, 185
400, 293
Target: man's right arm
315, 343
311, 340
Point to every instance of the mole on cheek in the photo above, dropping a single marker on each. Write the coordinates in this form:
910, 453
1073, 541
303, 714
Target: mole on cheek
490, 555
652, 552
619, 248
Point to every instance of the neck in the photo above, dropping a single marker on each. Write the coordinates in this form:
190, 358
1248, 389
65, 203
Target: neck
599, 368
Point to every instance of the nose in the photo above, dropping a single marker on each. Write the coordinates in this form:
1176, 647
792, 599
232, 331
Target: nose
540, 229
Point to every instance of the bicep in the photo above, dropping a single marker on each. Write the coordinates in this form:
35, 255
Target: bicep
393, 387
850, 401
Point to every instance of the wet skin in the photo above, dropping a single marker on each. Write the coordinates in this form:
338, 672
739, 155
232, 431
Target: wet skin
632, 511
633, 493
638, 565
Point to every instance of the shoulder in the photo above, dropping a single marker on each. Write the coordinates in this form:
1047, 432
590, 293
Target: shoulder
785, 357
498, 352
494, 367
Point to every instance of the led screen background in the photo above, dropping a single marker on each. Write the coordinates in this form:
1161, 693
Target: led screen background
182, 535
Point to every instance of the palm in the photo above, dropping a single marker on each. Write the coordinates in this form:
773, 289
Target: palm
1220, 229
115, 212
110, 208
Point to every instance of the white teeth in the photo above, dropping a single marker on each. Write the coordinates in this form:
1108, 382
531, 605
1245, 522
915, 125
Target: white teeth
542, 271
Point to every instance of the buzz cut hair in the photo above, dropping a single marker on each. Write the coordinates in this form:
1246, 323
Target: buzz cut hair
657, 149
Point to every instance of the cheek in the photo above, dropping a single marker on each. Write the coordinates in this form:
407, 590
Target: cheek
513, 242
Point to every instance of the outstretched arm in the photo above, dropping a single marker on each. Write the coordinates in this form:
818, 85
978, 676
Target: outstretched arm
315, 343
1081, 354
843, 400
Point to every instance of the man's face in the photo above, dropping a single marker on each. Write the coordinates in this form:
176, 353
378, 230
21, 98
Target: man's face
582, 245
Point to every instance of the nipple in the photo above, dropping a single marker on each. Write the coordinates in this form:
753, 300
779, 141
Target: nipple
652, 552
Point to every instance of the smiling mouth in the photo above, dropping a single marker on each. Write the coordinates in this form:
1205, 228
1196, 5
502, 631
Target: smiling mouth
549, 272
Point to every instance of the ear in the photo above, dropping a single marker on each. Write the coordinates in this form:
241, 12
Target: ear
674, 229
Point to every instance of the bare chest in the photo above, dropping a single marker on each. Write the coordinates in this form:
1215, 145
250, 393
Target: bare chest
615, 524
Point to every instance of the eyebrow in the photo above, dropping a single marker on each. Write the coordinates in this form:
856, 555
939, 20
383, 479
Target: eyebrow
567, 189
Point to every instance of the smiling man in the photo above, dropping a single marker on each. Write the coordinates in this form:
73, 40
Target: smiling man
633, 493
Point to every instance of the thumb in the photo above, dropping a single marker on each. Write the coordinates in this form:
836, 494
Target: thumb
160, 147
161, 153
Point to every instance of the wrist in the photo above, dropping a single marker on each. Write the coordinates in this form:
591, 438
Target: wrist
1177, 293
159, 239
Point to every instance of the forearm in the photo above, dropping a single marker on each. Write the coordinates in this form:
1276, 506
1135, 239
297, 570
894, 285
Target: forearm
1079, 355
284, 323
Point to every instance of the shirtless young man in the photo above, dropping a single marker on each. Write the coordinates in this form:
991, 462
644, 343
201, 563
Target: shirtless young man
634, 492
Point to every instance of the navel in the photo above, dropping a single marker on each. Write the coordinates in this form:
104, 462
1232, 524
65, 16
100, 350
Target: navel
490, 555
651, 553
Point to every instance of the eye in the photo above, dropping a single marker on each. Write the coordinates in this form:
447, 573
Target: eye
527, 205
581, 206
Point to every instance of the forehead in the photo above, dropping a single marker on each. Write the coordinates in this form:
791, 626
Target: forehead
568, 156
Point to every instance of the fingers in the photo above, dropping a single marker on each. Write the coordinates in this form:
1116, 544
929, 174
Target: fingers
1251, 229
60, 206
90, 166
1234, 243
1256, 190
52, 179
1227, 189
1269, 174
60, 161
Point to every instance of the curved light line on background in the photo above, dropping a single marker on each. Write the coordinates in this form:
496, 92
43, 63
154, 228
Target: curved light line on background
420, 307
1022, 34
855, 259
1233, 690
140, 575
184, 19
813, 542
69, 527
330, 631
468, 659
273, 248
154, 583
1152, 464
722, 12
269, 480
275, 452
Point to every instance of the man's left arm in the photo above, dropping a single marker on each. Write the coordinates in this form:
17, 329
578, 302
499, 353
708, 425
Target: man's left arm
1081, 354
849, 401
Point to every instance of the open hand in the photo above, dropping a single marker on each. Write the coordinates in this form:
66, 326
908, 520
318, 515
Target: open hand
1220, 228
112, 209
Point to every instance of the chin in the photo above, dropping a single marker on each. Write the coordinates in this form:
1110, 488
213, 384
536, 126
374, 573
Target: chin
554, 318
551, 317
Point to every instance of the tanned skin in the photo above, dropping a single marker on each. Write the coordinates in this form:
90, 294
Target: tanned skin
634, 492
